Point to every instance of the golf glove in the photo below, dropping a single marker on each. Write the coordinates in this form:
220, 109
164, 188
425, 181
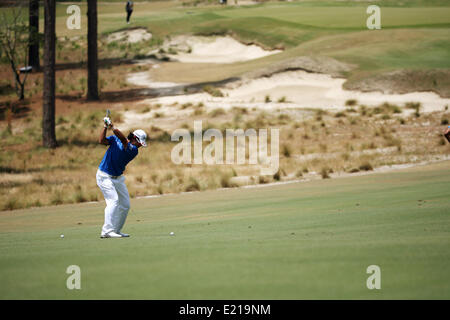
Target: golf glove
107, 122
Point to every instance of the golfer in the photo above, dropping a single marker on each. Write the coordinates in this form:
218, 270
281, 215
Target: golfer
110, 177
129, 9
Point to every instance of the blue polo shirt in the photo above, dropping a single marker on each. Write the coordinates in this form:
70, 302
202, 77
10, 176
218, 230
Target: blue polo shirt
116, 158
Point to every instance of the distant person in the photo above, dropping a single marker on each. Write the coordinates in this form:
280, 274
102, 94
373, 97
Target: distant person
129, 8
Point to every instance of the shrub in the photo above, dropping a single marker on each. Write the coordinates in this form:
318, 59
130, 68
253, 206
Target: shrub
366, 166
225, 181
146, 109
80, 197
263, 179
363, 110
186, 105
93, 196
217, 112
168, 176
198, 112
324, 173
286, 150
193, 185
351, 102
278, 174
284, 117
239, 110
213, 91
11, 204
413, 105
57, 198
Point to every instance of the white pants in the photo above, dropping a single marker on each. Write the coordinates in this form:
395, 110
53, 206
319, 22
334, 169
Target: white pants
117, 201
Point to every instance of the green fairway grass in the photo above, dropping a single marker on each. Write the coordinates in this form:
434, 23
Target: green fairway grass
309, 240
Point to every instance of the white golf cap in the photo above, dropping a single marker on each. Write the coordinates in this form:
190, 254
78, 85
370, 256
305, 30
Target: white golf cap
141, 136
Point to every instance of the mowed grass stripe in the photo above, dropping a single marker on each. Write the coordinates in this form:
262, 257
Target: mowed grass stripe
303, 240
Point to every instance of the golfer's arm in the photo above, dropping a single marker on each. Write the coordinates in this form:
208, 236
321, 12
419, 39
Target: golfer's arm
102, 139
121, 137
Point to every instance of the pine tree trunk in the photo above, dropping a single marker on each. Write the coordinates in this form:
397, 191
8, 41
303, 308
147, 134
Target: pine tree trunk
48, 117
92, 93
33, 49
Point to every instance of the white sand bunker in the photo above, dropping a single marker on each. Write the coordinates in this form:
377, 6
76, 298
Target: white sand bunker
300, 89
131, 36
197, 49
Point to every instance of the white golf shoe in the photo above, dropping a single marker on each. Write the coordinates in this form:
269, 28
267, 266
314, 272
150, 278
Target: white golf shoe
111, 234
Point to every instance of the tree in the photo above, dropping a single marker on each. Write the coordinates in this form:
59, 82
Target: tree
48, 106
92, 93
33, 48
14, 44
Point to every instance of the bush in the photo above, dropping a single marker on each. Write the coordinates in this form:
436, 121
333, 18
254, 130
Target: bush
193, 185
217, 112
413, 105
198, 112
277, 176
186, 105
286, 150
80, 197
366, 166
263, 179
57, 198
145, 110
11, 204
225, 181
213, 91
324, 173
239, 110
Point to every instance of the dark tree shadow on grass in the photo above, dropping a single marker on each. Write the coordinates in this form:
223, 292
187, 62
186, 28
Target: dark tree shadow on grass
143, 93
19, 108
